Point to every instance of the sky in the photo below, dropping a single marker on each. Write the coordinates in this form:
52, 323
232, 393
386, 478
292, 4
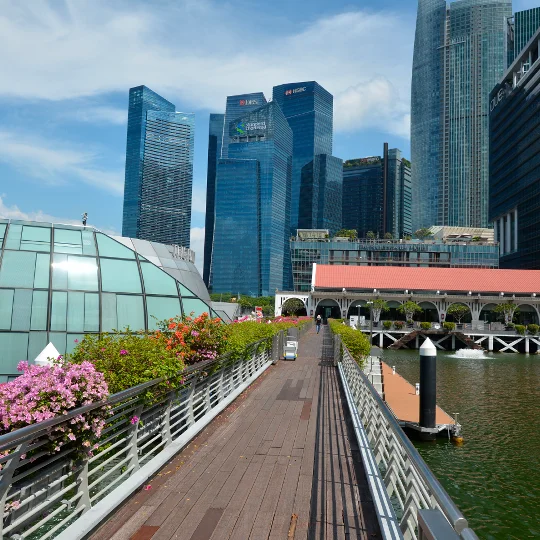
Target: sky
67, 66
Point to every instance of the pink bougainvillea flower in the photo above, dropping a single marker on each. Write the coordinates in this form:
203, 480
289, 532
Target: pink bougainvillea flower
123, 352
75, 341
135, 420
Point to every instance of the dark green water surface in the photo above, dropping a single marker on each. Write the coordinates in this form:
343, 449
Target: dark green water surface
494, 477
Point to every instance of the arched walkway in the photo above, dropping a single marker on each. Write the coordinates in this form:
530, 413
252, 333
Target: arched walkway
358, 307
487, 315
430, 312
466, 319
290, 304
328, 309
526, 315
393, 314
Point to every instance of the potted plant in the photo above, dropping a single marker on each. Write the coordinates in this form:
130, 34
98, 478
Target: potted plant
533, 329
409, 308
387, 325
378, 305
398, 325
507, 310
458, 311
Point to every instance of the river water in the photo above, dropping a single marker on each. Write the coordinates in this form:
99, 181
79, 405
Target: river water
494, 477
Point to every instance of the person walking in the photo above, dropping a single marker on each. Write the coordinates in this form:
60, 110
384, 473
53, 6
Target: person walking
318, 321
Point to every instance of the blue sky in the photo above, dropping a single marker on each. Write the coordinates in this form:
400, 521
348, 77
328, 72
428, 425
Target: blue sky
67, 66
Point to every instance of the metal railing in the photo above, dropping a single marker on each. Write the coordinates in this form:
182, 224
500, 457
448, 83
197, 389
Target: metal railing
42, 493
398, 475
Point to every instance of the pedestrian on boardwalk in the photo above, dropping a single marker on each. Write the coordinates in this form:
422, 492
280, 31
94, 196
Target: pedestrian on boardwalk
318, 323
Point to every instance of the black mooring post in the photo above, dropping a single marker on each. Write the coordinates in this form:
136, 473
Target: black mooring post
428, 384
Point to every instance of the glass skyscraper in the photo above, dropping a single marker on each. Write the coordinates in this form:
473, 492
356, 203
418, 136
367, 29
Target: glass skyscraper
215, 136
459, 55
159, 170
308, 108
377, 195
526, 23
252, 205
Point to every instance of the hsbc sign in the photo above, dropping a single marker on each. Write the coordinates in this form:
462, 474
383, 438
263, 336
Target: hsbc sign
244, 102
292, 91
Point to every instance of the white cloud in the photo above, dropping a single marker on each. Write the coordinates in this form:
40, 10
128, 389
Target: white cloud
197, 245
95, 47
54, 162
101, 115
198, 203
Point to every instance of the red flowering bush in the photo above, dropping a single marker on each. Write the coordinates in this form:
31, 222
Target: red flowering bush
43, 392
194, 339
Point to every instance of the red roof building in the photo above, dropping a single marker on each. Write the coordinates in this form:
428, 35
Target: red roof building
445, 280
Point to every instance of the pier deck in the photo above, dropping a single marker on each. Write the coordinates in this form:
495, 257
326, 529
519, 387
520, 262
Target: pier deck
284, 447
400, 396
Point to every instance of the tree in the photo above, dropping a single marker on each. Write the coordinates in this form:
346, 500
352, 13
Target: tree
370, 235
409, 308
422, 233
293, 306
458, 311
508, 310
377, 307
389, 236
348, 233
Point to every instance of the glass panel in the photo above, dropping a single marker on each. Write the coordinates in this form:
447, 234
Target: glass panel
184, 291
41, 276
160, 308
120, 276
59, 310
194, 305
14, 347
17, 269
89, 244
36, 238
72, 341
111, 248
40, 300
22, 309
157, 281
109, 320
13, 240
6, 308
3, 227
91, 312
75, 273
66, 241
37, 341
130, 312
75, 312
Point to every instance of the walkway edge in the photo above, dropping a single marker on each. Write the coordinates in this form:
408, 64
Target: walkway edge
386, 516
90, 520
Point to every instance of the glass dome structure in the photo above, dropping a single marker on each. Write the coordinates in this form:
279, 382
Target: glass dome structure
59, 282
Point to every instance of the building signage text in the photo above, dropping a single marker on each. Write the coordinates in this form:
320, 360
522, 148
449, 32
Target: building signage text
243, 127
292, 91
496, 100
244, 102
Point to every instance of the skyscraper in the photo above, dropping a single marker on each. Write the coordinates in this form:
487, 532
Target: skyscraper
159, 170
308, 108
377, 194
459, 54
215, 136
526, 23
252, 204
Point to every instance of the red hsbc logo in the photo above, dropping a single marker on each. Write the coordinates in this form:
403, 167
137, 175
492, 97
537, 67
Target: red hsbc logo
295, 91
244, 102
288, 92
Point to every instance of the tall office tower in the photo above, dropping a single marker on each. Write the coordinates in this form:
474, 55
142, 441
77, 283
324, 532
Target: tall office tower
236, 107
526, 23
308, 108
377, 195
459, 54
159, 170
215, 136
321, 190
252, 206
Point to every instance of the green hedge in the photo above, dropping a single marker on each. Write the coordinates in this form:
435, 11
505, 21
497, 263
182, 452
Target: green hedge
425, 326
520, 329
387, 325
533, 329
449, 326
355, 341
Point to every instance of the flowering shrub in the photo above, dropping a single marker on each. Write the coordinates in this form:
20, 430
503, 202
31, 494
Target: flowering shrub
355, 341
43, 392
193, 339
129, 358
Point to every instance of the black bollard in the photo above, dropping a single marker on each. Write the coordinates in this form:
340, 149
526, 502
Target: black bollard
428, 384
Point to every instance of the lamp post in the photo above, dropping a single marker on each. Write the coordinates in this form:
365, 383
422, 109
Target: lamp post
358, 323
370, 303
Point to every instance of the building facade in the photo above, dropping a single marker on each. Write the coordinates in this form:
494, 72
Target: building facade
460, 53
159, 170
317, 247
60, 282
215, 137
377, 195
252, 209
308, 108
514, 202
321, 192
526, 23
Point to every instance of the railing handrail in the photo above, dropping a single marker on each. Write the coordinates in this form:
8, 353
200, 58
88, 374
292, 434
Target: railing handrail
30, 432
448, 507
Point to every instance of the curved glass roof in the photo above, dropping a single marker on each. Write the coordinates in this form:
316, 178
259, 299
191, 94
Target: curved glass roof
59, 282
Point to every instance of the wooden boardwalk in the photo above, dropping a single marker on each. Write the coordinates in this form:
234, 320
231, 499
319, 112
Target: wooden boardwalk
400, 396
284, 447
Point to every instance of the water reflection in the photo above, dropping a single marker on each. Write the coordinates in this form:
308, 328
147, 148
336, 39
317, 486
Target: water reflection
494, 477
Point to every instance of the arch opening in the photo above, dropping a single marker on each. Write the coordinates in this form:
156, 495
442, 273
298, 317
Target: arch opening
328, 309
